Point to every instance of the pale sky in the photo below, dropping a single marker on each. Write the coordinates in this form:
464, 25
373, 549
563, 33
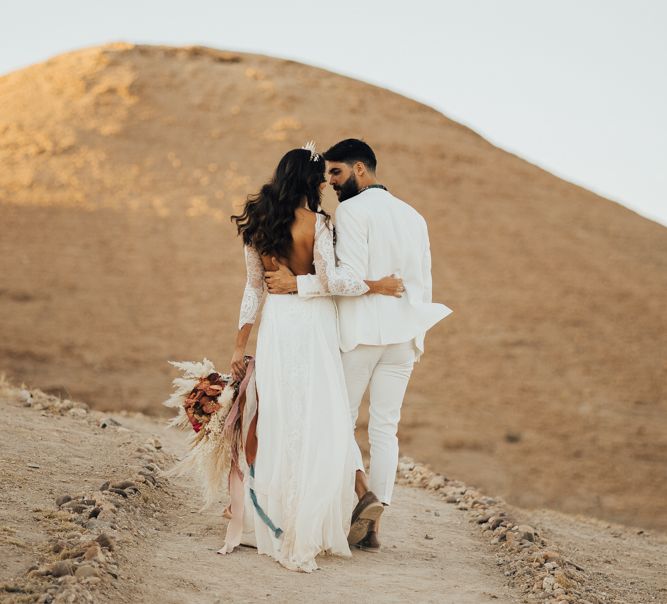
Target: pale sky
578, 87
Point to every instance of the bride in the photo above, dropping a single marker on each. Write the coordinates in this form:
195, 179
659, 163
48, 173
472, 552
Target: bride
304, 470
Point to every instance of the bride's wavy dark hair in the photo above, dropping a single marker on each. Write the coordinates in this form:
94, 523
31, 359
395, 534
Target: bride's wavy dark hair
267, 218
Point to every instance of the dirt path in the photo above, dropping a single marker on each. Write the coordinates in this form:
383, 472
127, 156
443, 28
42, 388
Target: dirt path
164, 549
86, 517
451, 565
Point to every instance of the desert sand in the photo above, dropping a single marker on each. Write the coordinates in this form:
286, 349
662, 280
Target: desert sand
87, 516
122, 163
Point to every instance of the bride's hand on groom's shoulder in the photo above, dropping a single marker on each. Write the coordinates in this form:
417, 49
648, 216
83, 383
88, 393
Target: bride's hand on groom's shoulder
281, 280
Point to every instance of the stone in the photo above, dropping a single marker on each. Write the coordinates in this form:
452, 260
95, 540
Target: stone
108, 422
105, 541
62, 500
65, 404
123, 484
561, 579
437, 482
105, 515
62, 568
550, 556
548, 583
58, 546
77, 412
74, 551
95, 512
526, 532
73, 502
105, 486
77, 508
94, 552
85, 570
150, 478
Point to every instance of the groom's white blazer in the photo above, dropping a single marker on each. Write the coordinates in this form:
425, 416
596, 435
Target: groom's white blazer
377, 235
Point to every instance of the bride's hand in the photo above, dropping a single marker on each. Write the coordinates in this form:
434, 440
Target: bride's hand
387, 286
238, 367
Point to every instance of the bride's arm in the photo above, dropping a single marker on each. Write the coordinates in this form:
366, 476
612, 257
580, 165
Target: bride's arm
337, 280
252, 298
344, 278
283, 281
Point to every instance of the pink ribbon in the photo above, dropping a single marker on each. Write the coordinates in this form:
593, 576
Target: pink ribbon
236, 490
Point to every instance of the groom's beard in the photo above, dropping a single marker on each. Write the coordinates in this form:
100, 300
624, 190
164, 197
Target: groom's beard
348, 189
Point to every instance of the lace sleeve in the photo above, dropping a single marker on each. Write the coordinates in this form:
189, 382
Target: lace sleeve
254, 287
337, 280
310, 286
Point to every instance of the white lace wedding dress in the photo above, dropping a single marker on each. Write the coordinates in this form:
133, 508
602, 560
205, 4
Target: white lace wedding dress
304, 470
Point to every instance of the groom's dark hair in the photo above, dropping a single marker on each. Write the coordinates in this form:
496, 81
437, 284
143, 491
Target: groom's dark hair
352, 150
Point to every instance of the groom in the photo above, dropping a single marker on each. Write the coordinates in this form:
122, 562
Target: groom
381, 337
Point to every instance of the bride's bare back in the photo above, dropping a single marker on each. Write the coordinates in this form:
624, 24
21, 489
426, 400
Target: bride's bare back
300, 260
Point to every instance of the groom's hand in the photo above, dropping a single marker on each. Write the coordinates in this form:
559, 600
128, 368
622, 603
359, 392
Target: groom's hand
280, 281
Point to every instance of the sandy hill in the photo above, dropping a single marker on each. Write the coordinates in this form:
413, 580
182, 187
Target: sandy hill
121, 165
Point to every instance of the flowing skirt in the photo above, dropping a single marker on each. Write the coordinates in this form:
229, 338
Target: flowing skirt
304, 470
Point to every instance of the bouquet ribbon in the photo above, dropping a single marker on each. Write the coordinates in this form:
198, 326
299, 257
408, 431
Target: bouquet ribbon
244, 409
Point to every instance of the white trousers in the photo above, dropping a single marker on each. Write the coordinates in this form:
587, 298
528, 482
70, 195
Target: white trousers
386, 370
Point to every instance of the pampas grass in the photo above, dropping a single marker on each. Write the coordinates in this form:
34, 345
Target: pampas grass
209, 459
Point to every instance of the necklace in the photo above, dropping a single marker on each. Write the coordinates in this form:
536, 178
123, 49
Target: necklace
378, 186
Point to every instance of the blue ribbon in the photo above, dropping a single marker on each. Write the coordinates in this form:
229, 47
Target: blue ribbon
262, 514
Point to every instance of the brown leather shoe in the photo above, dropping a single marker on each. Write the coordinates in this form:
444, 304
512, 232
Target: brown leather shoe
367, 511
370, 543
